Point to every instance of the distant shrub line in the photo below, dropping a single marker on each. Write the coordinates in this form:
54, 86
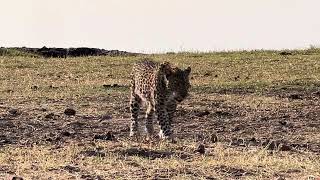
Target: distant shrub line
61, 52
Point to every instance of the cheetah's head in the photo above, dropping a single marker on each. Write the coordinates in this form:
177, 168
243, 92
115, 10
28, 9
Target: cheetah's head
178, 81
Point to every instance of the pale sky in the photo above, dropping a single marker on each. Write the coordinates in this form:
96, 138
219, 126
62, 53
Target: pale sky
161, 25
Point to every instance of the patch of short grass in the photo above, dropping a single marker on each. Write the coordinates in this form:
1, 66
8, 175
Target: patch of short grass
220, 161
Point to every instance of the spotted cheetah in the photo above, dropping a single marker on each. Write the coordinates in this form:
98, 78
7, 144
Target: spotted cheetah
159, 87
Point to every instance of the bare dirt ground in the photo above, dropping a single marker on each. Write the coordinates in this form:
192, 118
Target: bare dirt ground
293, 121
222, 133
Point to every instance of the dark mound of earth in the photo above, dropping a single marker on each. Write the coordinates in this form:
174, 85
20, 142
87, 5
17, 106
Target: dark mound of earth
68, 52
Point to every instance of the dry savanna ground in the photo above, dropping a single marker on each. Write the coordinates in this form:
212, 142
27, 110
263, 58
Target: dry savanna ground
250, 115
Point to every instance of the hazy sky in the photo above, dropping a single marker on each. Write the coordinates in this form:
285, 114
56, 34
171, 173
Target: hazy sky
161, 25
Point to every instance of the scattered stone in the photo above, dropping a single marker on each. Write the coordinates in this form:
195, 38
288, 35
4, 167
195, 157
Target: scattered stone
237, 128
91, 153
43, 109
71, 169
216, 75
221, 113
285, 53
252, 142
284, 147
237, 142
237, 78
201, 149
66, 133
17, 178
201, 114
273, 145
280, 178
235, 172
107, 137
69, 112
295, 96
4, 140
214, 138
34, 87
106, 117
49, 139
200, 138
49, 116
283, 123
317, 93
207, 74
53, 87
9, 91
111, 85
106, 85
91, 177
14, 112
276, 145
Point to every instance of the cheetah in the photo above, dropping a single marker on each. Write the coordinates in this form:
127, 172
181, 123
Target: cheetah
159, 87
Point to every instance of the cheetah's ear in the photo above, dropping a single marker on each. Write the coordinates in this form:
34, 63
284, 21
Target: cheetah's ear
166, 67
188, 70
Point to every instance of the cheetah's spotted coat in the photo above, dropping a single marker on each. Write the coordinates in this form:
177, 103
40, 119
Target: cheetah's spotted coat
159, 87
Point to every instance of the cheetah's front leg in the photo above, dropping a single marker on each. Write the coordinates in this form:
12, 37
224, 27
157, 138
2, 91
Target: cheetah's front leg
164, 122
134, 109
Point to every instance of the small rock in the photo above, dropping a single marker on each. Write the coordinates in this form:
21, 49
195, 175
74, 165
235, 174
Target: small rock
276, 145
237, 128
200, 138
14, 112
207, 74
284, 147
253, 139
216, 75
66, 133
237, 142
273, 145
71, 169
106, 85
49, 116
110, 85
285, 53
53, 87
106, 117
253, 142
295, 96
9, 91
17, 178
222, 113
34, 87
49, 139
317, 93
236, 78
201, 114
108, 137
69, 112
281, 178
283, 123
43, 109
201, 149
214, 138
